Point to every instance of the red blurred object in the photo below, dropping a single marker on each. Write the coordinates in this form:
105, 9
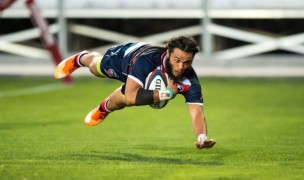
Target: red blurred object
46, 37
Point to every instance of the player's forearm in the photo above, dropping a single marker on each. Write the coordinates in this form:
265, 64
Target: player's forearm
146, 97
199, 126
198, 119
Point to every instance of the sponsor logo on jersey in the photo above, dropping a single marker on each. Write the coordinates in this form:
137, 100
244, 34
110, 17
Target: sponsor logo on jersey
111, 73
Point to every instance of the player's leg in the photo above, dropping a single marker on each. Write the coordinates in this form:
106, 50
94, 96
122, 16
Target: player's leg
93, 61
113, 102
116, 100
69, 65
82, 59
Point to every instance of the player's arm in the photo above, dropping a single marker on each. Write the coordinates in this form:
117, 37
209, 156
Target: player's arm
136, 95
132, 89
199, 126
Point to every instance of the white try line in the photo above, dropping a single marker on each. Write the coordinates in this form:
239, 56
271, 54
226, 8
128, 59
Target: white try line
33, 90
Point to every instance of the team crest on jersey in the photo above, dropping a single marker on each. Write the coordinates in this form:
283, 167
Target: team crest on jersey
183, 85
182, 88
111, 73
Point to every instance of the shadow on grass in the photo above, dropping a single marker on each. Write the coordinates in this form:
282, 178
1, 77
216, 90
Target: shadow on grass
129, 157
183, 157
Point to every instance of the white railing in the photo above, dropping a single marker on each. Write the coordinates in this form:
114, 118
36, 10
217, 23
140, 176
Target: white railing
206, 11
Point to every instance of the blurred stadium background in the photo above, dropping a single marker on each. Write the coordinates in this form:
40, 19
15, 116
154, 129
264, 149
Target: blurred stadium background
238, 37
257, 122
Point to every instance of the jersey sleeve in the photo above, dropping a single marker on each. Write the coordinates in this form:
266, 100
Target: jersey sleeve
140, 70
194, 93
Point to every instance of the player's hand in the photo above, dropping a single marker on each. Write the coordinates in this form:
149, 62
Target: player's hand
173, 87
208, 143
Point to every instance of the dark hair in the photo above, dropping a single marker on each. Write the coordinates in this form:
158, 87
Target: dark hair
186, 44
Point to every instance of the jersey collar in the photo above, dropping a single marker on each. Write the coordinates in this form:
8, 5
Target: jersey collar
162, 61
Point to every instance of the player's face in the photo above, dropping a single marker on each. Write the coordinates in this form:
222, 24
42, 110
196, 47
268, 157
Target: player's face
178, 62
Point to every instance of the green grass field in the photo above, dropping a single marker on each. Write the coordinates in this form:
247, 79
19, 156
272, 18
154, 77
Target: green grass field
258, 125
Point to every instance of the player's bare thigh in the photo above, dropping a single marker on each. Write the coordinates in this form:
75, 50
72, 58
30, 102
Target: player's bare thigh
92, 61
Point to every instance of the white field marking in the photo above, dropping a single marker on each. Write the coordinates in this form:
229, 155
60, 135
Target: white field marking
33, 90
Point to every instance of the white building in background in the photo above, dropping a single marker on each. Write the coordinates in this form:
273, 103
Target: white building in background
256, 43
170, 4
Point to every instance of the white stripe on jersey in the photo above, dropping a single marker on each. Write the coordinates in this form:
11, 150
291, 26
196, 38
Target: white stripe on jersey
137, 80
163, 62
148, 51
133, 48
200, 104
184, 81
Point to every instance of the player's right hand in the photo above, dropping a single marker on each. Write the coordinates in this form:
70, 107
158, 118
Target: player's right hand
173, 87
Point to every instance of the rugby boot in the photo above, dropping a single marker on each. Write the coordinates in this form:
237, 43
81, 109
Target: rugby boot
68, 66
95, 117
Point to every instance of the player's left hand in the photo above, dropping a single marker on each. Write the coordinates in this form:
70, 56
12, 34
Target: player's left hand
208, 143
172, 85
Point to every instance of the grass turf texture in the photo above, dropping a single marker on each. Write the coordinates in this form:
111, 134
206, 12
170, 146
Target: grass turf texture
258, 125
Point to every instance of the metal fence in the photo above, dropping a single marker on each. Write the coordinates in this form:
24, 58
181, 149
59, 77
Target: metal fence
205, 11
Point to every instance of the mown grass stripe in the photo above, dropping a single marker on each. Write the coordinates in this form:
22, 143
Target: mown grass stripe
32, 90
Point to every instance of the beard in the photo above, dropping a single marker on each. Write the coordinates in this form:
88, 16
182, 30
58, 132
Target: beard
169, 70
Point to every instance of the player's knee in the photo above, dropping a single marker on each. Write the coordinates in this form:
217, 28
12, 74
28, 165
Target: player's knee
129, 101
92, 57
93, 70
95, 64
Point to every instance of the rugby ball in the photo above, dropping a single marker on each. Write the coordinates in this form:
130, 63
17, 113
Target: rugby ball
157, 80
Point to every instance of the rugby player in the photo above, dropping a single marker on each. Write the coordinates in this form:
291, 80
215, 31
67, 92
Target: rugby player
131, 63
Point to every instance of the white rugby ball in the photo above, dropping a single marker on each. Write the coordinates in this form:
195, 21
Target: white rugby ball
157, 80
